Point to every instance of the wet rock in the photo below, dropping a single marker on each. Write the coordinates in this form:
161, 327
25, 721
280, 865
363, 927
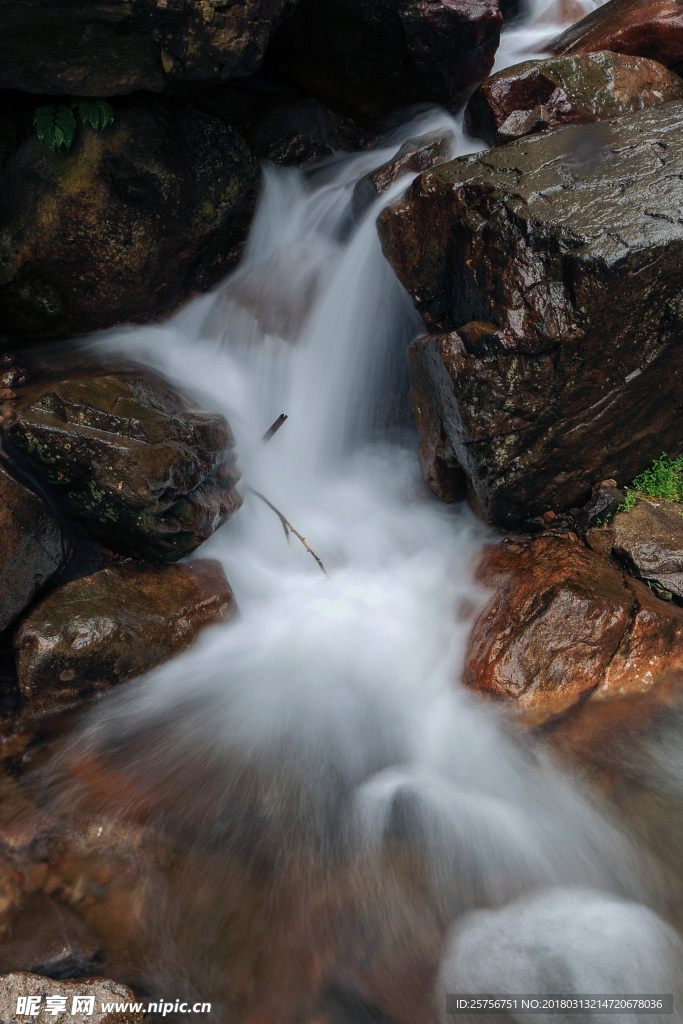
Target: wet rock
26, 986
649, 540
367, 57
33, 548
579, 89
415, 155
605, 501
563, 12
98, 631
129, 222
116, 48
129, 459
642, 28
46, 937
547, 369
564, 626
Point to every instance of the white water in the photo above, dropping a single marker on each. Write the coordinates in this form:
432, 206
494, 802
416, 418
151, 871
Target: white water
351, 681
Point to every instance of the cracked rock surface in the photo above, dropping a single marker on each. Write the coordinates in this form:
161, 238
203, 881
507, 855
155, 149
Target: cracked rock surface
549, 273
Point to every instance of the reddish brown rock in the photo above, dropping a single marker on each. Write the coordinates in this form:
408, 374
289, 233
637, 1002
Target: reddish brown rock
367, 57
642, 28
415, 155
33, 547
44, 936
100, 630
563, 626
581, 89
649, 541
547, 369
563, 12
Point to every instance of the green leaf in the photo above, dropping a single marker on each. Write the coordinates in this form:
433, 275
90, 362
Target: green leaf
97, 113
56, 126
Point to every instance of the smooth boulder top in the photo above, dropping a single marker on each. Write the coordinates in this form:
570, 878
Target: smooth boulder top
568, 246
577, 89
111, 48
130, 459
643, 28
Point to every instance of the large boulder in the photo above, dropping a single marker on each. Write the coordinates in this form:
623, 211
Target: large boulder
101, 630
33, 547
548, 368
367, 57
111, 48
124, 226
129, 459
648, 539
563, 626
579, 89
15, 987
643, 28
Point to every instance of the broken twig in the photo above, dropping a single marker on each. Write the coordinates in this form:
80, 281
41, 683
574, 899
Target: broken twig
275, 427
288, 528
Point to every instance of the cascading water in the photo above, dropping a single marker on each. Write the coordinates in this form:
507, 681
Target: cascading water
322, 736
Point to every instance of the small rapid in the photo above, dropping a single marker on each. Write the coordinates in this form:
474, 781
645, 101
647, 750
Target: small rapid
324, 731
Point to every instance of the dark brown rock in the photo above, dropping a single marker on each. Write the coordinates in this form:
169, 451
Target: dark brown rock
563, 626
579, 89
114, 48
575, 374
33, 548
20, 985
129, 458
101, 630
47, 937
418, 154
642, 28
605, 501
649, 540
367, 57
129, 222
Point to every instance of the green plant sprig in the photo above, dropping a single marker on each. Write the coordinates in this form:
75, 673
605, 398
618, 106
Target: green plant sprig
663, 481
56, 124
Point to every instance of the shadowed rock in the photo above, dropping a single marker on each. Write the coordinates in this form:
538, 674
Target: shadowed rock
129, 222
367, 57
580, 89
47, 937
548, 368
132, 461
112, 48
100, 630
33, 547
642, 28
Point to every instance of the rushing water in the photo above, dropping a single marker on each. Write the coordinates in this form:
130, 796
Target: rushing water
323, 732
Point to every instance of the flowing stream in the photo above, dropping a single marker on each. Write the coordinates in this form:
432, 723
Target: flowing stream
323, 734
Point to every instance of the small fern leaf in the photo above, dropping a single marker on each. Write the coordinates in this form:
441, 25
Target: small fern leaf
97, 113
55, 126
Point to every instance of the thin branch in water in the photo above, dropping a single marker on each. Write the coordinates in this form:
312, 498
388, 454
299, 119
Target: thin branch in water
288, 528
274, 428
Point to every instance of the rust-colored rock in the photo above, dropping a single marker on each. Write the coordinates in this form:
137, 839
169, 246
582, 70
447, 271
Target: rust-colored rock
21, 986
418, 154
642, 28
33, 548
111, 48
129, 222
547, 369
579, 89
367, 57
563, 12
564, 626
131, 460
47, 937
649, 540
100, 630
